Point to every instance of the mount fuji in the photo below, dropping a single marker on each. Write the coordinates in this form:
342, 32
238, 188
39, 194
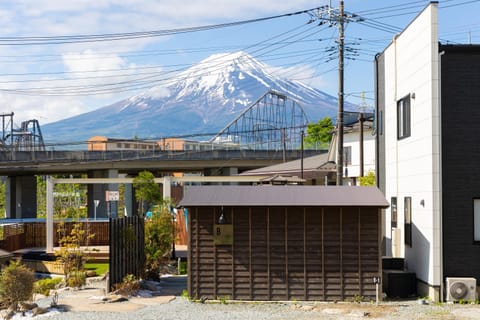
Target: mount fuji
201, 99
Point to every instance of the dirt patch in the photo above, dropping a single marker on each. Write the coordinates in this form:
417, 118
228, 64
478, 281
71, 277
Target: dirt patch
349, 309
93, 300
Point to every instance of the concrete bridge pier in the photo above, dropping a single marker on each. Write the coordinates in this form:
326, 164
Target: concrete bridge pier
21, 197
98, 192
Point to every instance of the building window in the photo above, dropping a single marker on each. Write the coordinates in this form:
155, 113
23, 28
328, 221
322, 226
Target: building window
403, 118
347, 156
476, 220
408, 220
393, 209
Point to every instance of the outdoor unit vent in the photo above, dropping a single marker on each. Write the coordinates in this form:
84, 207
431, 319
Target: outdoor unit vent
461, 289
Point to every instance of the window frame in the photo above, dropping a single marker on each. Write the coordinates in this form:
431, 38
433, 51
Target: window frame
404, 118
393, 212
476, 220
407, 208
347, 156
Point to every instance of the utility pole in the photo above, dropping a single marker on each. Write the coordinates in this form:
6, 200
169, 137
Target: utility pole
339, 18
341, 38
361, 120
301, 161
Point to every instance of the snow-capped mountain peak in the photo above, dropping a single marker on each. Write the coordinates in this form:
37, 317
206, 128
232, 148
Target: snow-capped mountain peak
202, 98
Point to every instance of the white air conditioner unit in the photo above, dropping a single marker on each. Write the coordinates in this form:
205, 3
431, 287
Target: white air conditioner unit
461, 289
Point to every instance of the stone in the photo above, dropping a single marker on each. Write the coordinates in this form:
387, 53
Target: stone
39, 310
90, 273
25, 306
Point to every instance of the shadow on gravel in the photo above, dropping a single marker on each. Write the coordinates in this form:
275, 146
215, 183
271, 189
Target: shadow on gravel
173, 285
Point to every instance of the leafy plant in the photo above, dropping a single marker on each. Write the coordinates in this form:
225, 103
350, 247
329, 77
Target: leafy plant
147, 192
159, 235
357, 299
319, 134
76, 279
16, 284
185, 294
183, 267
223, 299
369, 179
71, 254
43, 286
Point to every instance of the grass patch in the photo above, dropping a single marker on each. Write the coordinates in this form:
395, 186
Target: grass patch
99, 268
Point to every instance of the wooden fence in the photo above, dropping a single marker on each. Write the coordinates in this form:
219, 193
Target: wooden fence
127, 248
17, 236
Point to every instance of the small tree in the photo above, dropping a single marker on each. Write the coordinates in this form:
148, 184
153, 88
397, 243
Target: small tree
368, 180
147, 192
159, 236
16, 284
71, 254
319, 134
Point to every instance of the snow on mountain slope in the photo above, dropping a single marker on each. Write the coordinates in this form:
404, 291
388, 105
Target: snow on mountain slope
201, 99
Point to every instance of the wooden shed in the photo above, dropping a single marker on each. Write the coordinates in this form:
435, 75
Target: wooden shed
283, 242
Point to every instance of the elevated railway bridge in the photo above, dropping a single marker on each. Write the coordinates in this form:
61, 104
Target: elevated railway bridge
22, 167
269, 131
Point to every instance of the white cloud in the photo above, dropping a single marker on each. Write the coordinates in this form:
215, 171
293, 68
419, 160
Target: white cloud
88, 61
87, 64
43, 109
303, 72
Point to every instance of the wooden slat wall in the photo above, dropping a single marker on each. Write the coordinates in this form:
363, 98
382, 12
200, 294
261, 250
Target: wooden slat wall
127, 248
33, 234
311, 253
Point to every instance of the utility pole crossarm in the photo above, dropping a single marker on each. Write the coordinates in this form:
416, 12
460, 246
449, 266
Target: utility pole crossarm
338, 17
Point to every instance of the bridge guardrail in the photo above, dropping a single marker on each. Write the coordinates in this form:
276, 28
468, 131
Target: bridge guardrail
125, 155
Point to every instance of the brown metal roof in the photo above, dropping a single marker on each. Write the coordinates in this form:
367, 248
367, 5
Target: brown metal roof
314, 163
287, 195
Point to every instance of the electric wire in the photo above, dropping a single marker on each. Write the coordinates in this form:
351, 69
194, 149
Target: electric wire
55, 40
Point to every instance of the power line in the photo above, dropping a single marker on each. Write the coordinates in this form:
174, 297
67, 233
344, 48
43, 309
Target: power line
55, 40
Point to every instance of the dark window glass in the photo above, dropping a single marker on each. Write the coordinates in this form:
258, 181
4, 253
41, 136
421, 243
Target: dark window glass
408, 220
347, 156
403, 118
393, 209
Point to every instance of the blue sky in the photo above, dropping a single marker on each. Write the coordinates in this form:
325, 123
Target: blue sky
50, 82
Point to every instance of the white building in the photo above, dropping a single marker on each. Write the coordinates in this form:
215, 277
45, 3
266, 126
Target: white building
354, 151
428, 120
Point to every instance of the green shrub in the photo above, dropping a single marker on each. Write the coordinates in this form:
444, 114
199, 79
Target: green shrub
16, 284
183, 267
159, 236
76, 279
43, 286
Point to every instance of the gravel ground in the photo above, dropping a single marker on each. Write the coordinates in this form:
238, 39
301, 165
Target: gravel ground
170, 307
180, 309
